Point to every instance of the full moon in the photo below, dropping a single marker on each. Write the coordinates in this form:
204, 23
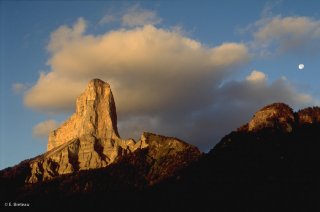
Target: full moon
301, 66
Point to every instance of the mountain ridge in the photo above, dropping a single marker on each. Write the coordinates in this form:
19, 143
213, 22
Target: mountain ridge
89, 139
268, 164
281, 116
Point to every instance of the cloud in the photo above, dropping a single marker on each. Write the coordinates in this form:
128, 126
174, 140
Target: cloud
150, 69
53, 93
64, 34
107, 19
20, 87
270, 7
133, 16
162, 81
43, 129
256, 76
284, 34
261, 92
231, 105
136, 16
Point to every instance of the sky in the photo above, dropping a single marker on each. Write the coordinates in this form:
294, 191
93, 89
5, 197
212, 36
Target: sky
195, 70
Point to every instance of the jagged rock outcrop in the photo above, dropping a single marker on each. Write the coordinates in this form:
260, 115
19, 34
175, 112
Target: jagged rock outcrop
89, 139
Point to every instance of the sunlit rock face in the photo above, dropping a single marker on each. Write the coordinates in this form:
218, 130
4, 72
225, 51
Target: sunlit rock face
89, 139
275, 116
95, 115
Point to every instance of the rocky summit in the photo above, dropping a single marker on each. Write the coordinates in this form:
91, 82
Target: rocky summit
89, 139
279, 116
95, 115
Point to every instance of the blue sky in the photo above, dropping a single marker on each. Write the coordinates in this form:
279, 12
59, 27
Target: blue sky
209, 58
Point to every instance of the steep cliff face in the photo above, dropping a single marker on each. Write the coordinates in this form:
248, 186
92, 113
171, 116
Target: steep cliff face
86, 152
164, 156
95, 115
89, 139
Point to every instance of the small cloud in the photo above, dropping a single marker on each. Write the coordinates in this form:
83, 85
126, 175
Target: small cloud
304, 98
270, 7
19, 87
43, 129
284, 78
107, 19
286, 34
256, 76
136, 16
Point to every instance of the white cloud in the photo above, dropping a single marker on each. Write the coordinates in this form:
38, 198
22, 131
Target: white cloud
43, 129
284, 34
64, 34
256, 76
136, 16
54, 93
144, 66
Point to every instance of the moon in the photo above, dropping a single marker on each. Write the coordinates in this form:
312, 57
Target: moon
301, 66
